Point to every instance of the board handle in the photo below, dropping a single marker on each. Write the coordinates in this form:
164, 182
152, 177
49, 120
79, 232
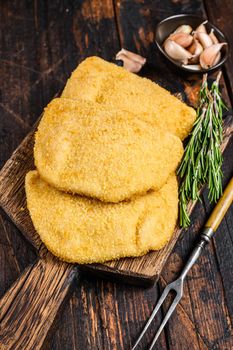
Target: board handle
29, 307
221, 207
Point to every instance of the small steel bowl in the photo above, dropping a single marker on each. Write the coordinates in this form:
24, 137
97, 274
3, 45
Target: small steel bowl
169, 25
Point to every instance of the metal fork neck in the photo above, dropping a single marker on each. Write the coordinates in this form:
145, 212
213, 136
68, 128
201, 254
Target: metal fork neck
207, 234
204, 240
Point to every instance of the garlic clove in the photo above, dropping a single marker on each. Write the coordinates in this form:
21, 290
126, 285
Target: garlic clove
132, 56
192, 48
209, 56
177, 52
195, 49
194, 67
213, 37
217, 59
129, 64
201, 28
204, 39
196, 46
184, 28
182, 39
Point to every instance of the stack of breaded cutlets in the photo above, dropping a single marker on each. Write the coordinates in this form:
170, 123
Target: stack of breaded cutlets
106, 153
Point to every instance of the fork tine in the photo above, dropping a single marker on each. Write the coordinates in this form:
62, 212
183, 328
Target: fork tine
166, 318
159, 303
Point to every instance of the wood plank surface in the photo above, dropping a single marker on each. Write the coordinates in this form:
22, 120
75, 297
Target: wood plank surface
38, 52
221, 13
43, 286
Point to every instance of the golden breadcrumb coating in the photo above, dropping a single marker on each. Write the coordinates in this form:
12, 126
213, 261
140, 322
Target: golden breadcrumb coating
98, 80
106, 154
82, 230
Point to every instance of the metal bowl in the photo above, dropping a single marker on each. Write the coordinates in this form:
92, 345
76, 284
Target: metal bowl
169, 25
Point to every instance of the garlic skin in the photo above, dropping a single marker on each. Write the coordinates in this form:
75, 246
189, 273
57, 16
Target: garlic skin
184, 28
176, 51
195, 49
133, 56
182, 39
210, 55
201, 28
131, 61
204, 39
213, 37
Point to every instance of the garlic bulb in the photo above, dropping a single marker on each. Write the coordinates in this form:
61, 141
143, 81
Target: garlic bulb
210, 55
201, 28
182, 39
131, 61
213, 37
184, 28
204, 39
176, 51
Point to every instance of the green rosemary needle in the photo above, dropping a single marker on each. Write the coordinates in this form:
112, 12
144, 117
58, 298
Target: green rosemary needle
202, 158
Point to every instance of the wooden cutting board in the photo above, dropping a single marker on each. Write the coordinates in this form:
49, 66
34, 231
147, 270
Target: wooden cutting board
38, 294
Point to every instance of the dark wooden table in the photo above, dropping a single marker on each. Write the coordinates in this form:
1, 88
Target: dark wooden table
41, 42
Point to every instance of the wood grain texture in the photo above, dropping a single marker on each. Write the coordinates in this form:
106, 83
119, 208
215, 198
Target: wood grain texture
29, 307
39, 48
15, 253
221, 14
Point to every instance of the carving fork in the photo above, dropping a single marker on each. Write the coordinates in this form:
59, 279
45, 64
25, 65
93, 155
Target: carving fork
177, 286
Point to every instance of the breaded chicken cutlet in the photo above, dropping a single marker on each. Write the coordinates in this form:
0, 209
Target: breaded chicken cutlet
98, 80
82, 147
83, 230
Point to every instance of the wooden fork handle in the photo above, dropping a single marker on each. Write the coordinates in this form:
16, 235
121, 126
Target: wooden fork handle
221, 207
29, 307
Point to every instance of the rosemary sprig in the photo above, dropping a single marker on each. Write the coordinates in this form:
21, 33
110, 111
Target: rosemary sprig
202, 158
